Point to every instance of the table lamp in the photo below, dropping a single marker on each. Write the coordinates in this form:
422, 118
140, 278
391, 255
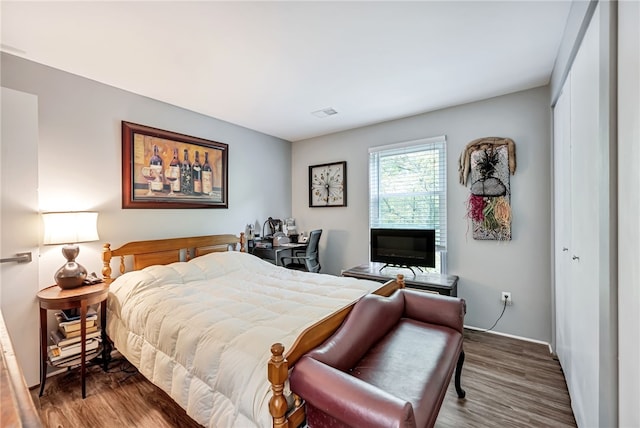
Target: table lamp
70, 228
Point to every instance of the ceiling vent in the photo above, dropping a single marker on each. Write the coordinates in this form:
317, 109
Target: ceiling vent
325, 112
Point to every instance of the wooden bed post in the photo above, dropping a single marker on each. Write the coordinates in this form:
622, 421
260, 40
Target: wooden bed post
106, 262
400, 280
278, 373
242, 242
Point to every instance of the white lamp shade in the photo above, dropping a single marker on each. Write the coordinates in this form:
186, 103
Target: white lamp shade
70, 227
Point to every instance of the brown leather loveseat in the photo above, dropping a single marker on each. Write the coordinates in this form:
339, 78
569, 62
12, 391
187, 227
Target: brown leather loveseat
388, 365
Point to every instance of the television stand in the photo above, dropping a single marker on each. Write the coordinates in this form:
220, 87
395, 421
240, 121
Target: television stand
401, 267
426, 281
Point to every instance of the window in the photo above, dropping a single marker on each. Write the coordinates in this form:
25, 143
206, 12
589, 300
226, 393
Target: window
408, 189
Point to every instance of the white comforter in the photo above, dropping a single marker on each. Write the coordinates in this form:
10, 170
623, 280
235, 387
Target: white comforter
202, 330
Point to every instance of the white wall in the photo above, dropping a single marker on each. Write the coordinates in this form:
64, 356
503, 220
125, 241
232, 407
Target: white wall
80, 162
629, 212
485, 268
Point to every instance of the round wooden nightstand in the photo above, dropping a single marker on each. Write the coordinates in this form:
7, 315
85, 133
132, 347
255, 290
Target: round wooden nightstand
55, 298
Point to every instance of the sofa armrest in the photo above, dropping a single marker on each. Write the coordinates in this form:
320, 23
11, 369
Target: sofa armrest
435, 309
369, 320
347, 398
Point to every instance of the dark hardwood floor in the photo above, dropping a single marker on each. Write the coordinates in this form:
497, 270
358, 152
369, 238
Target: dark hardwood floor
509, 383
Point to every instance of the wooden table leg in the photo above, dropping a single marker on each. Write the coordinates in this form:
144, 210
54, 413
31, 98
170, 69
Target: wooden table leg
43, 349
83, 342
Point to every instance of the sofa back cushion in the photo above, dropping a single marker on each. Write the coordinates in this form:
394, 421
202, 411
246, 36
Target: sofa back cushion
440, 310
370, 320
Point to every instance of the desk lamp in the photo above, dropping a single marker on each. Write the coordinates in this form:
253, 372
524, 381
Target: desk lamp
70, 228
275, 225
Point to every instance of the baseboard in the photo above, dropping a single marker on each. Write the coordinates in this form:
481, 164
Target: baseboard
526, 339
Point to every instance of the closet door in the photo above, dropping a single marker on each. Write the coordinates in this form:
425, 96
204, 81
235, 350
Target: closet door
19, 227
586, 327
582, 301
562, 221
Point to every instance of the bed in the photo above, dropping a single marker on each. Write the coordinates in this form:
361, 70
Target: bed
209, 324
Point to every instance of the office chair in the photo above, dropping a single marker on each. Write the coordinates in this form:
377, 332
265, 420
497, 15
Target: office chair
308, 259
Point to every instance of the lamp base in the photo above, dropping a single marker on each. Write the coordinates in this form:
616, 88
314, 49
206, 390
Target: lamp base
71, 274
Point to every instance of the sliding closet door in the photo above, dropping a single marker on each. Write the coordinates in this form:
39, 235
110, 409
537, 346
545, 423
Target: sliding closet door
584, 195
562, 221
583, 310
576, 231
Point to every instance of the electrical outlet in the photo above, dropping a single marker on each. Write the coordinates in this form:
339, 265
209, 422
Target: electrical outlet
506, 295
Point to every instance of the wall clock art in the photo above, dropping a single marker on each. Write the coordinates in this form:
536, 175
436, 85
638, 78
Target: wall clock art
328, 185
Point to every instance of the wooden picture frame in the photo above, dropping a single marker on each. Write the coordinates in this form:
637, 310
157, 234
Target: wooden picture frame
328, 185
158, 169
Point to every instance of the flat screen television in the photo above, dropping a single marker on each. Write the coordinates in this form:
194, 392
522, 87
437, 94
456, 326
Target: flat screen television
404, 247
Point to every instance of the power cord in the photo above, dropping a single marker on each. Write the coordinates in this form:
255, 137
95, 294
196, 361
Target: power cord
496, 323
121, 365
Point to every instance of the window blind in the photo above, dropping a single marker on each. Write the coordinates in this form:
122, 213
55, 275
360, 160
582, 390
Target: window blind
408, 186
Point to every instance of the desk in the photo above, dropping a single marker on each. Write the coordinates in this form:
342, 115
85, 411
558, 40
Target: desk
426, 281
274, 254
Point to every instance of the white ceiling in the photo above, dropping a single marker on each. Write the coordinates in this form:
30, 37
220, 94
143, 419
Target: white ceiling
268, 65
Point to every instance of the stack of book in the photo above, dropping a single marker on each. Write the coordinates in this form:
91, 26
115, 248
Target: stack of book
66, 339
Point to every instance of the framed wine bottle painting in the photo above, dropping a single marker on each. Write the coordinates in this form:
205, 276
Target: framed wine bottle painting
163, 169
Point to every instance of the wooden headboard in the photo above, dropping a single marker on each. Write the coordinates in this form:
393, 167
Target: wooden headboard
165, 251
